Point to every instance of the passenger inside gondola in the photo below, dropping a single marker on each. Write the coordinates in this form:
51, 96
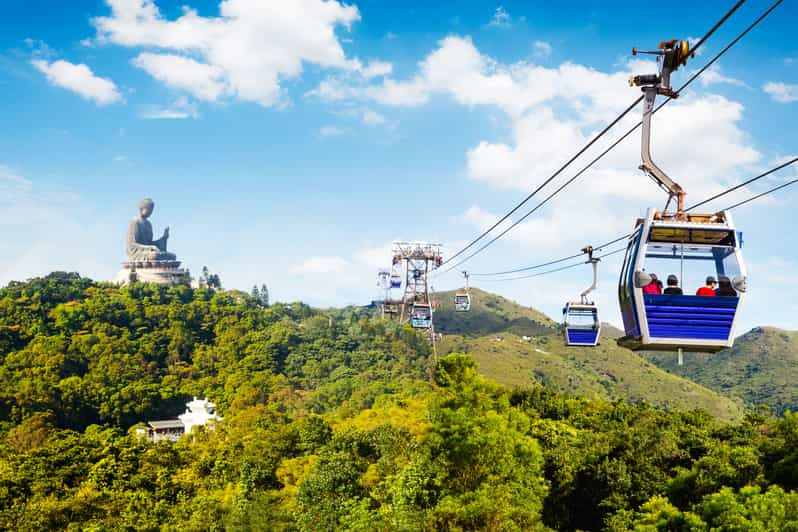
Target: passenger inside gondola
708, 289
654, 287
725, 287
673, 286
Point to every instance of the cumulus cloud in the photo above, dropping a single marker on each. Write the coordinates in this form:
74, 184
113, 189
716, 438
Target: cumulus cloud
80, 79
459, 70
201, 80
376, 69
553, 112
714, 75
245, 52
781, 92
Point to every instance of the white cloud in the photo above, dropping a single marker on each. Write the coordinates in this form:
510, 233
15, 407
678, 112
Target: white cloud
333, 278
201, 80
553, 112
120, 158
781, 92
331, 131
541, 49
457, 69
376, 69
713, 75
79, 79
244, 53
181, 108
501, 18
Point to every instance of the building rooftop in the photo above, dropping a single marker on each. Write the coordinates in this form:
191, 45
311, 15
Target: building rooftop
166, 424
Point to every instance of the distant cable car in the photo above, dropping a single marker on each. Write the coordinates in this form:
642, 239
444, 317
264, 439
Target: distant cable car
687, 250
396, 280
421, 316
581, 323
462, 300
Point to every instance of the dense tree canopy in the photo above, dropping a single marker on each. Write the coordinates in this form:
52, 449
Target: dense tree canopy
337, 421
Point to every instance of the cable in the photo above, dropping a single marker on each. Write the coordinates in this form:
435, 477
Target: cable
546, 182
619, 140
744, 183
717, 25
752, 198
555, 270
581, 151
606, 244
765, 193
577, 255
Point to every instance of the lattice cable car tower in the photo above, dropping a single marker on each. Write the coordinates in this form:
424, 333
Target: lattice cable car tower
419, 259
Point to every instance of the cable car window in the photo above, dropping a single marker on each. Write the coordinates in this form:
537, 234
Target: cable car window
690, 264
582, 319
691, 236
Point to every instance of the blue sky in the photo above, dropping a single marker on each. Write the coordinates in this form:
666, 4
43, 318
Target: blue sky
290, 143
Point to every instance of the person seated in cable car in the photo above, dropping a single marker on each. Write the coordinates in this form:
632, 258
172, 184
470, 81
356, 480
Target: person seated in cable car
673, 286
708, 289
725, 287
654, 287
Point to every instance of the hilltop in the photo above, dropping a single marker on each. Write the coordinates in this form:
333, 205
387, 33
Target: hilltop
761, 368
490, 313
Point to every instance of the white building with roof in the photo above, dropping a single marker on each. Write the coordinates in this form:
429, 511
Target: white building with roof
199, 413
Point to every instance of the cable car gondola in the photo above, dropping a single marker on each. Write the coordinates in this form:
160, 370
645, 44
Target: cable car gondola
396, 280
687, 248
421, 316
581, 323
688, 251
462, 300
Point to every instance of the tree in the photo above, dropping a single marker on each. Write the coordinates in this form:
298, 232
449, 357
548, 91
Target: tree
261, 294
210, 280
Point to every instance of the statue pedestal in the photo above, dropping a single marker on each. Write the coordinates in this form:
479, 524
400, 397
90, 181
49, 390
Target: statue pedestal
153, 271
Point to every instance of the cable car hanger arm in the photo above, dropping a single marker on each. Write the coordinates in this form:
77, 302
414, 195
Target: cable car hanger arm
670, 56
594, 262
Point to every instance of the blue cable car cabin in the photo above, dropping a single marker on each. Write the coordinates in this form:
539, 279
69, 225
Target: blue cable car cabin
688, 251
581, 324
462, 302
421, 316
396, 281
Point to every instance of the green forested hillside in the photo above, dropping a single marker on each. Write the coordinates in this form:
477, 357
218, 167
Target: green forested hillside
338, 422
489, 314
606, 371
761, 368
